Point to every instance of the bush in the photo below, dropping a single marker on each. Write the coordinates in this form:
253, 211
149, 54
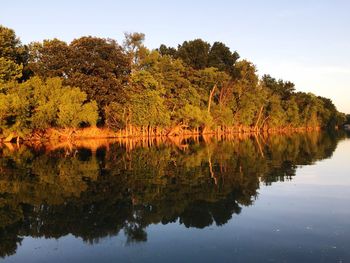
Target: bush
37, 104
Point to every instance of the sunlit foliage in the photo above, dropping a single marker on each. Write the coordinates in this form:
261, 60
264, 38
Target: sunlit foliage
196, 85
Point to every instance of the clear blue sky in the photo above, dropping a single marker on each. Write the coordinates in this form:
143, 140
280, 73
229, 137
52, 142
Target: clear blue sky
304, 41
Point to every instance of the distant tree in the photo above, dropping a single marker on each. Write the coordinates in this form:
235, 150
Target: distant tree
247, 95
51, 58
11, 47
13, 56
9, 70
133, 44
194, 53
310, 108
195, 85
284, 89
133, 41
291, 109
222, 116
193, 116
148, 109
99, 67
211, 85
276, 113
221, 57
170, 51
171, 78
329, 115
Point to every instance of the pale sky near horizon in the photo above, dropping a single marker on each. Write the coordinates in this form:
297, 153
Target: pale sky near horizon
304, 41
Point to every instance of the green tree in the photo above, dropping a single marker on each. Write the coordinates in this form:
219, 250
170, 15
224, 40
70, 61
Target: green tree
98, 66
9, 70
221, 57
11, 47
284, 89
170, 51
148, 109
248, 96
194, 53
35, 105
292, 112
13, 56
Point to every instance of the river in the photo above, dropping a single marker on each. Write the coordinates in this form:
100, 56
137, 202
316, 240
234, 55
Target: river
253, 198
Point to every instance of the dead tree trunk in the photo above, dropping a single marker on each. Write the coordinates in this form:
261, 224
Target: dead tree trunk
211, 97
259, 116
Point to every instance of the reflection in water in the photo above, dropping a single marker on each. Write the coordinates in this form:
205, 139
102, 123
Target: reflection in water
94, 189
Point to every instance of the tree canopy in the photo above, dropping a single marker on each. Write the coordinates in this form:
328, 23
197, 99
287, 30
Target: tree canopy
196, 86
37, 104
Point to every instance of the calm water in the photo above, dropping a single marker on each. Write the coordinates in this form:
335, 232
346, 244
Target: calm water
254, 199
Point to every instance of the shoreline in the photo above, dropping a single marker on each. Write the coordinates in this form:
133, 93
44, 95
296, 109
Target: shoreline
94, 133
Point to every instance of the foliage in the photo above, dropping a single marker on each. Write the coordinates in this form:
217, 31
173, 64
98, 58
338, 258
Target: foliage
194, 53
99, 67
36, 104
11, 47
9, 70
196, 84
12, 56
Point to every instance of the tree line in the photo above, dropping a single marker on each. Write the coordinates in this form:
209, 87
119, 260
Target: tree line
196, 87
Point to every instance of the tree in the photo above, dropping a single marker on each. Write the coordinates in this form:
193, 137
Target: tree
169, 77
51, 58
194, 117
133, 44
195, 85
276, 113
13, 56
329, 115
292, 112
247, 96
194, 53
169, 51
133, 41
9, 70
11, 47
284, 89
221, 57
36, 105
222, 116
204, 81
148, 109
309, 109
98, 66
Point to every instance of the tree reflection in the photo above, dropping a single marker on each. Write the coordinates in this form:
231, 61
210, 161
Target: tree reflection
49, 191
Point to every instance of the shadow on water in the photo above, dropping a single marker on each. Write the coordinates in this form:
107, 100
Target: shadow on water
93, 189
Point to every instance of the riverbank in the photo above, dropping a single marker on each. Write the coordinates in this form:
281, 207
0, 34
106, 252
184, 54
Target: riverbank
69, 134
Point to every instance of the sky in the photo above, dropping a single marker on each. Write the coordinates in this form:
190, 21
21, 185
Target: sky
303, 41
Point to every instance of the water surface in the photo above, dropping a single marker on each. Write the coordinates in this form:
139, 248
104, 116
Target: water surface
281, 198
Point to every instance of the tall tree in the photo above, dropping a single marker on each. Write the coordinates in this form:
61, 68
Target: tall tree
98, 66
133, 44
221, 57
245, 103
194, 53
13, 55
164, 50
